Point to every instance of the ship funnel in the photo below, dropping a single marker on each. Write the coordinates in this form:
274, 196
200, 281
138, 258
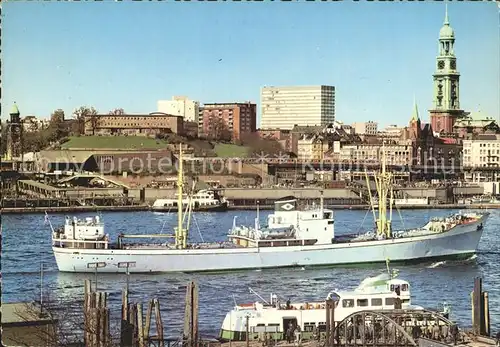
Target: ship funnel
286, 204
96, 219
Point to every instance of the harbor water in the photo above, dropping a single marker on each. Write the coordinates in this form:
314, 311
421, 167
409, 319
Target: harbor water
26, 244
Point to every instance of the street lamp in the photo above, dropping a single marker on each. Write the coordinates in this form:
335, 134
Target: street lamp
95, 266
127, 265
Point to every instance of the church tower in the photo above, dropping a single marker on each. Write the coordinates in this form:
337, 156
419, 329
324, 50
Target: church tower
415, 124
446, 102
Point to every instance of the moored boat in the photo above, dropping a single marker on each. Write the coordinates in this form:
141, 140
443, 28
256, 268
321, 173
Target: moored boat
206, 200
384, 292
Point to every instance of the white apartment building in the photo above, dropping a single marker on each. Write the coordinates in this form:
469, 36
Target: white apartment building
284, 107
483, 151
395, 154
180, 106
365, 128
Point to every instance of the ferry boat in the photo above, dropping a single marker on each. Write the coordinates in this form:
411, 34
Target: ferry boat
203, 200
275, 317
292, 238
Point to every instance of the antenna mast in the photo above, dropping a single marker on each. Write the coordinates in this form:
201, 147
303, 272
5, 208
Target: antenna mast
179, 233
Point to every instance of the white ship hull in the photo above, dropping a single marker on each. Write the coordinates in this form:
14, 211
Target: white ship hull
460, 241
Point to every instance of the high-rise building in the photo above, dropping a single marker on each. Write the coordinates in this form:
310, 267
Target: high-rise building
446, 101
284, 107
180, 106
227, 121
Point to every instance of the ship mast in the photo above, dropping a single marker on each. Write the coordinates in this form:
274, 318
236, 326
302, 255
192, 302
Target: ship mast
383, 183
384, 190
179, 231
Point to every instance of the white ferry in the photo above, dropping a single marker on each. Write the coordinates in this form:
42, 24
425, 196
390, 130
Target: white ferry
276, 317
203, 200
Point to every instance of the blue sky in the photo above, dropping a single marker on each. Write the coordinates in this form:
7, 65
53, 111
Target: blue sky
131, 54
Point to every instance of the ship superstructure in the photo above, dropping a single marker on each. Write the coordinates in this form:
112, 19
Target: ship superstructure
379, 293
203, 200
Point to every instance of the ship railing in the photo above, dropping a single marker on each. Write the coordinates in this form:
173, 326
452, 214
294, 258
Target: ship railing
63, 243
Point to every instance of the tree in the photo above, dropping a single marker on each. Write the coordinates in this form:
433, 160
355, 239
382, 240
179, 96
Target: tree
80, 113
259, 146
3, 142
57, 127
218, 129
116, 112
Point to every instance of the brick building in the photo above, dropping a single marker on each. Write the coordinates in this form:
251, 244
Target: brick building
133, 124
234, 119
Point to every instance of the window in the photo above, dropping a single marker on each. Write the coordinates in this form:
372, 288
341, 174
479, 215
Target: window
376, 302
389, 301
362, 302
309, 327
348, 303
404, 287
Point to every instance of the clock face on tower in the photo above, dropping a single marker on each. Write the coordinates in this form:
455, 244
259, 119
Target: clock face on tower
453, 64
440, 65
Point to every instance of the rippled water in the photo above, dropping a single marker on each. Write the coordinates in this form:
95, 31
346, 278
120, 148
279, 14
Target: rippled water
27, 242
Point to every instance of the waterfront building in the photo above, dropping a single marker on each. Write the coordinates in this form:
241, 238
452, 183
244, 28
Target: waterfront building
365, 128
475, 123
396, 154
428, 149
481, 150
337, 133
312, 147
180, 106
285, 107
282, 136
391, 131
227, 121
446, 101
133, 124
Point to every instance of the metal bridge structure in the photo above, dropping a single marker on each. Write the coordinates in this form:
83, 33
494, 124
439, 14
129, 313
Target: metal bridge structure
396, 328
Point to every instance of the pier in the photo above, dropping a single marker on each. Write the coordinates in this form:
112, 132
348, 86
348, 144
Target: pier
142, 326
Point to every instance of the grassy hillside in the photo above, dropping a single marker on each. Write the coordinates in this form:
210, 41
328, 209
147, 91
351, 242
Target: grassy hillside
136, 142
225, 150
114, 142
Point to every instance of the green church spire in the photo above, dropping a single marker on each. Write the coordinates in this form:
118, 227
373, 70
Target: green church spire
14, 109
414, 115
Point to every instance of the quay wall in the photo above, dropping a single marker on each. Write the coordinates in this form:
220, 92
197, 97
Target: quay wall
75, 209
150, 194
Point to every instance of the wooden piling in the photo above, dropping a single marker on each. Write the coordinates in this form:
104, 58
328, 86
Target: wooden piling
96, 318
132, 321
147, 327
486, 310
477, 307
140, 326
125, 331
191, 315
159, 323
